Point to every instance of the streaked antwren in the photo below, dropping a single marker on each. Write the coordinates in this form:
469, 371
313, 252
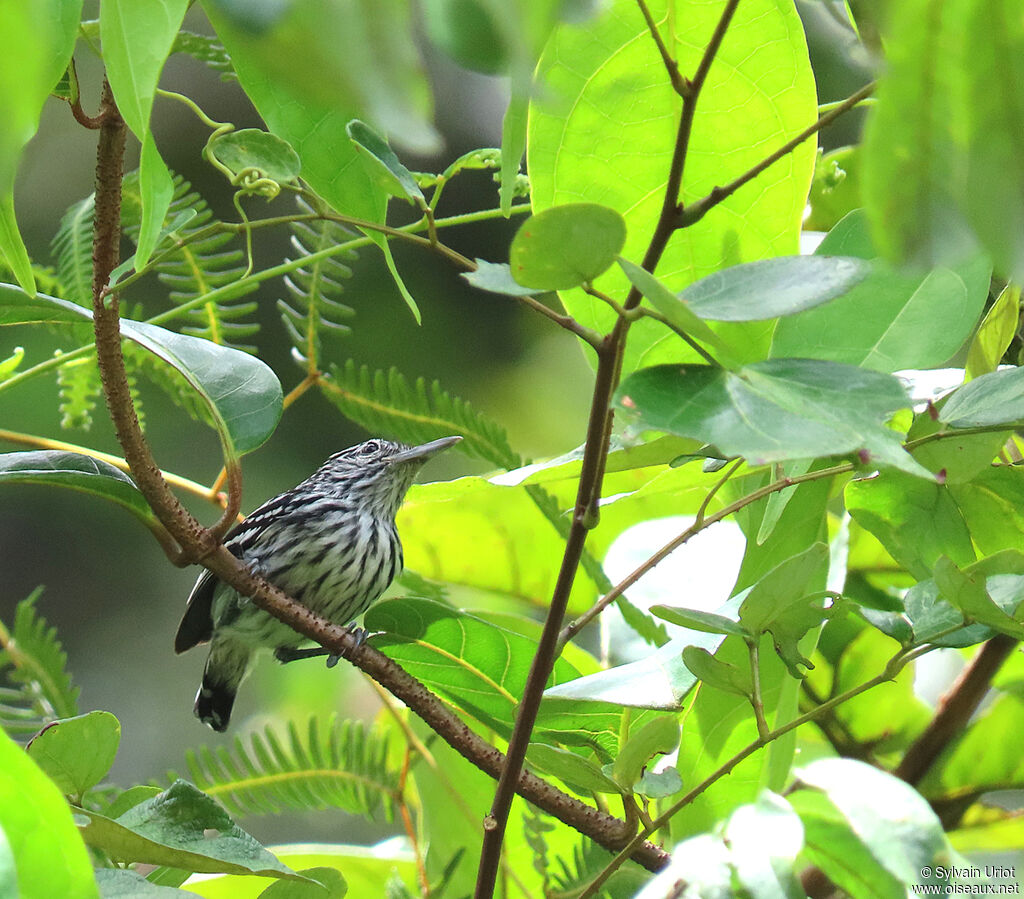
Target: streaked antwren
330, 543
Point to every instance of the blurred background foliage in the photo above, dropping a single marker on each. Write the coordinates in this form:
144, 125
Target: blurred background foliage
116, 612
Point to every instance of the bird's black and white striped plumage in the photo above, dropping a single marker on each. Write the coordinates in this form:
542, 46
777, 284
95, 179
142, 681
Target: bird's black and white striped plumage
330, 543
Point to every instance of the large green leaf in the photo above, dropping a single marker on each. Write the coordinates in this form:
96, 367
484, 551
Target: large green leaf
773, 411
36, 42
604, 130
137, 38
242, 394
893, 319
181, 828
76, 472
35, 823
992, 399
914, 136
77, 752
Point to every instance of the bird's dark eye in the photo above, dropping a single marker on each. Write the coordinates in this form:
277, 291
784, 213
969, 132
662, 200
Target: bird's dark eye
370, 447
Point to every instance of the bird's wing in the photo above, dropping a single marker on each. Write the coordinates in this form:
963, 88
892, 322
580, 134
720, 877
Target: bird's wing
197, 623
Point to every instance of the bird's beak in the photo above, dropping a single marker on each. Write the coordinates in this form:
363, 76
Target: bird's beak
424, 452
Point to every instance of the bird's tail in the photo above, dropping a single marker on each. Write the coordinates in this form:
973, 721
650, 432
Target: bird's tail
224, 672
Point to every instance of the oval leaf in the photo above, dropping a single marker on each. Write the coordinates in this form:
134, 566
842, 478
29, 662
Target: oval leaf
77, 752
76, 472
768, 288
252, 148
697, 620
396, 177
992, 399
566, 246
774, 410
657, 737
241, 392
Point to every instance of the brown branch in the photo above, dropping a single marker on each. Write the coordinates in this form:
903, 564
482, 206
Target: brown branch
698, 209
200, 544
679, 84
955, 708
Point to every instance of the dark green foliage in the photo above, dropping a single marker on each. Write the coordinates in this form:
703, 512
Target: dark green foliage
316, 287
386, 403
193, 267
207, 50
340, 765
33, 664
79, 385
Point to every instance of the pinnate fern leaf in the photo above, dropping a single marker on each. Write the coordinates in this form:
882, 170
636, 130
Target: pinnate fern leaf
80, 390
196, 266
71, 248
338, 765
386, 403
207, 50
33, 665
315, 288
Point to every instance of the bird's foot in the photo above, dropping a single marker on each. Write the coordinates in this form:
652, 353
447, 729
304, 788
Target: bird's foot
285, 654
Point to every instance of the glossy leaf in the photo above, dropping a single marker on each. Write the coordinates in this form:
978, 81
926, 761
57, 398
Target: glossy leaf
251, 148
181, 828
137, 38
77, 752
575, 771
772, 411
397, 178
76, 472
992, 399
769, 288
992, 505
38, 830
566, 246
893, 319
890, 817
697, 620
242, 393
716, 673
657, 737
496, 277
967, 592
608, 108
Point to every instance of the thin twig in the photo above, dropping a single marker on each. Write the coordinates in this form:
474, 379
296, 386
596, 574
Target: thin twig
679, 84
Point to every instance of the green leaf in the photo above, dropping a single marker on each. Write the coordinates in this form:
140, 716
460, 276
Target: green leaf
76, 472
675, 308
330, 884
577, 772
893, 319
835, 190
332, 765
773, 411
911, 138
916, 520
717, 674
966, 592
465, 31
398, 180
658, 736
77, 752
514, 137
997, 330
607, 109
992, 505
890, 817
252, 148
181, 828
768, 288
659, 784
207, 50
137, 37
35, 46
993, 35
787, 583
241, 393
496, 277
992, 399
123, 883
10, 365
33, 658
72, 245
389, 260
699, 621
566, 246
37, 828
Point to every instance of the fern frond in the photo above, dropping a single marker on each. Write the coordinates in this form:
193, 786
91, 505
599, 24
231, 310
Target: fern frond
207, 50
341, 766
315, 288
34, 664
71, 247
386, 403
80, 390
195, 267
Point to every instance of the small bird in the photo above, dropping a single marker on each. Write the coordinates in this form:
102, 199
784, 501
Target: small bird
330, 543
